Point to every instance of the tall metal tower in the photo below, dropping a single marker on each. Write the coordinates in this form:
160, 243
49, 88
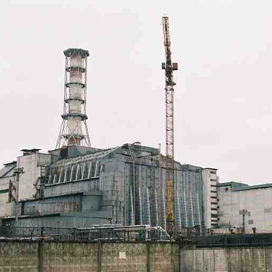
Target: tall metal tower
74, 130
169, 67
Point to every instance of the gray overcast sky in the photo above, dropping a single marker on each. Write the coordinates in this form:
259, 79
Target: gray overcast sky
223, 96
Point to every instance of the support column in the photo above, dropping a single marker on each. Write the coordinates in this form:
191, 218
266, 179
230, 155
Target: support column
99, 257
41, 255
148, 266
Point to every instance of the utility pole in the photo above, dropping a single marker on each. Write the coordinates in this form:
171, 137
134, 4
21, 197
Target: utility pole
169, 67
244, 213
17, 172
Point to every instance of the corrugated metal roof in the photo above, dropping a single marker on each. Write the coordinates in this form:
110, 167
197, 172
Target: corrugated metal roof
97, 155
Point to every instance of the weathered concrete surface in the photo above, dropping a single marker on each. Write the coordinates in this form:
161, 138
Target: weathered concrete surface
18, 256
124, 257
49, 256
226, 259
164, 257
71, 257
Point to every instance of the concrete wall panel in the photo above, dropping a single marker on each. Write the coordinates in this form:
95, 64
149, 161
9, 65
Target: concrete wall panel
18, 256
71, 257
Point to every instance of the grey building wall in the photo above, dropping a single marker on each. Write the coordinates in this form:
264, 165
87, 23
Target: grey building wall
129, 181
65, 220
254, 201
7, 179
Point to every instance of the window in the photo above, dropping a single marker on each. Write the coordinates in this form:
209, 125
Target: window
78, 172
93, 169
250, 222
213, 185
90, 169
214, 197
82, 171
73, 173
213, 215
214, 203
213, 179
86, 171
68, 174
213, 191
214, 209
97, 172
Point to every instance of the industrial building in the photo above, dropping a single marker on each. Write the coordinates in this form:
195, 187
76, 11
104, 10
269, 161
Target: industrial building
245, 208
76, 185
80, 186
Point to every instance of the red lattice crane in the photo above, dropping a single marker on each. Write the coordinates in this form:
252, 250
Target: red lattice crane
169, 67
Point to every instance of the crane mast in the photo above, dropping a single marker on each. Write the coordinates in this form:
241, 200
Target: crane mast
169, 67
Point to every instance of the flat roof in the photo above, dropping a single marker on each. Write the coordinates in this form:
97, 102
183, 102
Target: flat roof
211, 168
232, 184
238, 186
254, 187
30, 150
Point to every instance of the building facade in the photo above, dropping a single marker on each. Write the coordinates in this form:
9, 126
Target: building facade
245, 208
210, 181
80, 186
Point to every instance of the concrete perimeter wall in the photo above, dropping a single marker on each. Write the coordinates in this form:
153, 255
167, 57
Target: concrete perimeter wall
226, 259
18, 256
44, 256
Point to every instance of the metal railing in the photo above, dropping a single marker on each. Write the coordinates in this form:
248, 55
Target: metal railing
92, 234
228, 240
115, 233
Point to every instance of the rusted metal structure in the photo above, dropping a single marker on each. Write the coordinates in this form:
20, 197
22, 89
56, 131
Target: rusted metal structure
169, 67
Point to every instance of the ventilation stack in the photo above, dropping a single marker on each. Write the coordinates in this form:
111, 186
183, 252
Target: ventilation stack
74, 130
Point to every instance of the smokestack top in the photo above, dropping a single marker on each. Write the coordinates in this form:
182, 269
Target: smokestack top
76, 51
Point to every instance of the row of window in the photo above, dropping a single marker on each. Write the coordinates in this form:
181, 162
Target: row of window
76, 172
